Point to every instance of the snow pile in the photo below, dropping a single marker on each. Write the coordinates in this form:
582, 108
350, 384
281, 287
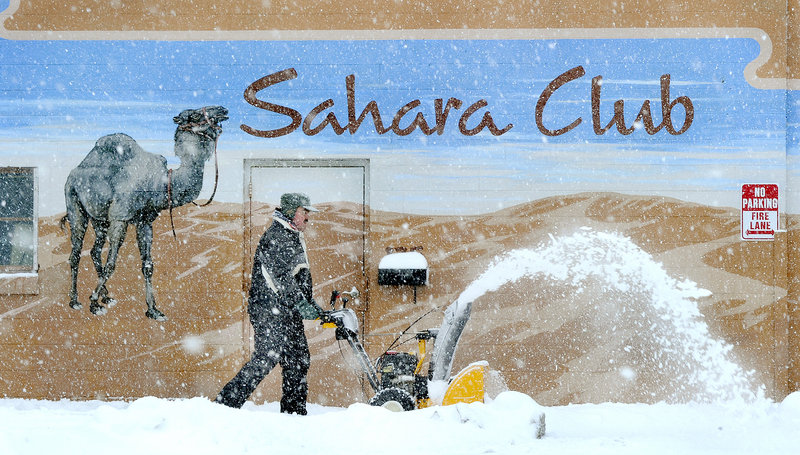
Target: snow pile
197, 426
504, 426
655, 316
791, 404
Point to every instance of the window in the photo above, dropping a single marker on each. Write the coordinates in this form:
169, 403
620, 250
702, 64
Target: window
17, 219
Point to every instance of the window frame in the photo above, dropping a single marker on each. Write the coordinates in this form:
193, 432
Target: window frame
8, 269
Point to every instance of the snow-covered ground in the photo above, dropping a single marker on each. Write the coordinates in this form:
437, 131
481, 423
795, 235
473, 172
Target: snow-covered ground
715, 407
505, 425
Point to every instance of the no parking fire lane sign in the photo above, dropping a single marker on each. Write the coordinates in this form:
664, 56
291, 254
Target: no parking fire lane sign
759, 211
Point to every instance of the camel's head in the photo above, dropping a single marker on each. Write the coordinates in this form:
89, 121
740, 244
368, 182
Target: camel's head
205, 122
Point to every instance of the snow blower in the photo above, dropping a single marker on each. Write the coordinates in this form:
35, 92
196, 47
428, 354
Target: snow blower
396, 377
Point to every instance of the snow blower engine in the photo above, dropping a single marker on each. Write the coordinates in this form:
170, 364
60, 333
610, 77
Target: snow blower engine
397, 377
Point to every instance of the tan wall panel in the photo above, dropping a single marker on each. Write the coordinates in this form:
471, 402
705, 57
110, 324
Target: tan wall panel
48, 350
771, 16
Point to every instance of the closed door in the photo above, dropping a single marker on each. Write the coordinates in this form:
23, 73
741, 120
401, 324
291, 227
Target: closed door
337, 236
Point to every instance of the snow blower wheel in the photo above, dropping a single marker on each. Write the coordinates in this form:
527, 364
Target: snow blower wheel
393, 399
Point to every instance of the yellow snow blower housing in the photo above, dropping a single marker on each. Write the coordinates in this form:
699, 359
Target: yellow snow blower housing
468, 386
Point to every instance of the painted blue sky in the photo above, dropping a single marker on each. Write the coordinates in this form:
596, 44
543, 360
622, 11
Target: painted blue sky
116, 78
59, 96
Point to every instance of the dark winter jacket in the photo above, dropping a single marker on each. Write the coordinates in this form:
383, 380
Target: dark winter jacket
281, 276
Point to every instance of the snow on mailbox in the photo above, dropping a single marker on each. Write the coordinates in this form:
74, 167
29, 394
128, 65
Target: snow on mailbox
409, 268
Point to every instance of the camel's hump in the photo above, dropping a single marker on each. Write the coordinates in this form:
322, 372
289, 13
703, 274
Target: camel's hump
117, 150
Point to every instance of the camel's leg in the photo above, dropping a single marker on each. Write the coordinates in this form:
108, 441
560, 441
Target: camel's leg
144, 237
101, 233
116, 235
78, 222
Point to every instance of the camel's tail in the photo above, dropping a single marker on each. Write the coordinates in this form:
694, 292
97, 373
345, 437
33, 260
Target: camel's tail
63, 223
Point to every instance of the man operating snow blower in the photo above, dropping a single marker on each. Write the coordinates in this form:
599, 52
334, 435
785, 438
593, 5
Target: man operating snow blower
280, 298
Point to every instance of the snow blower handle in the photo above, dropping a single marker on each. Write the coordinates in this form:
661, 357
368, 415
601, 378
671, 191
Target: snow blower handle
344, 321
344, 297
334, 296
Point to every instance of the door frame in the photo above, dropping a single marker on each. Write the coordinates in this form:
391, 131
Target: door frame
251, 163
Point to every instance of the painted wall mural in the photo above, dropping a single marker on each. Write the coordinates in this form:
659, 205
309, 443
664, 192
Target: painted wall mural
584, 191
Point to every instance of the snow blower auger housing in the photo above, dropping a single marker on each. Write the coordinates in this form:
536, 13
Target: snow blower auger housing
397, 377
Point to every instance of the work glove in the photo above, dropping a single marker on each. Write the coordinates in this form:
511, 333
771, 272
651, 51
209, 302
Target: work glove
309, 309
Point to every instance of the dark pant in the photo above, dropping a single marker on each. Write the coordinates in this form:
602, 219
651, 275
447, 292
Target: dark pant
279, 338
